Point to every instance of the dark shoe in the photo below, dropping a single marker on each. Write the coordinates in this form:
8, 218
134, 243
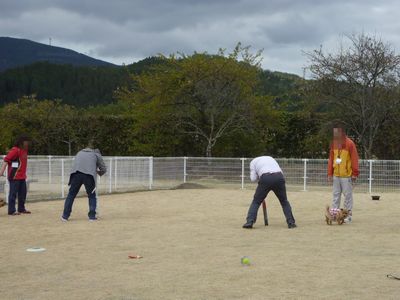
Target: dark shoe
248, 225
293, 225
92, 219
25, 212
14, 214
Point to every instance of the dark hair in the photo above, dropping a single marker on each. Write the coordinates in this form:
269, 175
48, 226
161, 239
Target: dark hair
339, 124
19, 142
92, 144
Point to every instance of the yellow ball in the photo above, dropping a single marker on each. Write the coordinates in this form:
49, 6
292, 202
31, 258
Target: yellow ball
245, 261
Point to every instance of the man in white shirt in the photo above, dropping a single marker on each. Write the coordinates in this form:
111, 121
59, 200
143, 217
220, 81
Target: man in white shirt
267, 172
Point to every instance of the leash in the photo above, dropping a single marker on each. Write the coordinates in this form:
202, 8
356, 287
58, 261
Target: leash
390, 276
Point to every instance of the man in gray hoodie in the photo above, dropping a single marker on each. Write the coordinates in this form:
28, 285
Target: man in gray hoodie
88, 163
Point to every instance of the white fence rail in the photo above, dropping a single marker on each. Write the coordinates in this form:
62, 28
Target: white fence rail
48, 176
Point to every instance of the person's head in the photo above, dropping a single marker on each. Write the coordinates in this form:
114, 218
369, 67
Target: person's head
22, 142
91, 144
339, 132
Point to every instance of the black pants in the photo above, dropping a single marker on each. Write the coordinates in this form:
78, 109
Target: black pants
271, 182
76, 181
17, 189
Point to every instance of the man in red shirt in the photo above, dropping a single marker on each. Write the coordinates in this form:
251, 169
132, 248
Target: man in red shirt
17, 160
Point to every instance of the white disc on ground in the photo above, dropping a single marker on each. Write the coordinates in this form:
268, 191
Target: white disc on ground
36, 249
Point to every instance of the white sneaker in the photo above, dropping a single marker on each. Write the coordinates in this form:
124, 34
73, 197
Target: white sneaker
348, 220
64, 220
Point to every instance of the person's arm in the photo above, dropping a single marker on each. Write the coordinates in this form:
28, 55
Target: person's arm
330, 163
3, 168
12, 155
253, 172
354, 161
102, 169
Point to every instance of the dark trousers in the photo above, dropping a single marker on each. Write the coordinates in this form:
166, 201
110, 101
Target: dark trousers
17, 189
76, 181
271, 182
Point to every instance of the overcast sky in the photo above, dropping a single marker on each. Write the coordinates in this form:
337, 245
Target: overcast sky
124, 31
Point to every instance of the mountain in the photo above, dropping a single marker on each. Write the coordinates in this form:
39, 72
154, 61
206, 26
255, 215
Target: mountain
29, 68
76, 85
21, 52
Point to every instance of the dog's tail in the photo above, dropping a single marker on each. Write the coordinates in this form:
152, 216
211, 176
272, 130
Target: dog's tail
327, 209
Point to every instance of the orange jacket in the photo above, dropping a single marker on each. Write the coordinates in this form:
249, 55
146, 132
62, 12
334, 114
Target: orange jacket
347, 165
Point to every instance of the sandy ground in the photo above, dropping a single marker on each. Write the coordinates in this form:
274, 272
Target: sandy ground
192, 243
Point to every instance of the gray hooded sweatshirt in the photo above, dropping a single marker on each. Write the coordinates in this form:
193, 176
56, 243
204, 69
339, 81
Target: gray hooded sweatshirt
90, 162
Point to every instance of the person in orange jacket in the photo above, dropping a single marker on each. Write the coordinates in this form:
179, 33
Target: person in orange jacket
343, 169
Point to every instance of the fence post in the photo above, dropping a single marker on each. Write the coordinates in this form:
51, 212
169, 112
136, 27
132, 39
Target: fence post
305, 175
115, 173
150, 172
242, 159
184, 169
62, 178
370, 177
110, 177
50, 169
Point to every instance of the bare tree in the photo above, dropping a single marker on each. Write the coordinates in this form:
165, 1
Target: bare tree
360, 82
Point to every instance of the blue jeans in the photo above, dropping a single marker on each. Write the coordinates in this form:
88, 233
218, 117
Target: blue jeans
76, 181
17, 189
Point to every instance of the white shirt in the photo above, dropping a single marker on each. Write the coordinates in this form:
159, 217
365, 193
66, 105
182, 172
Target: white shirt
262, 165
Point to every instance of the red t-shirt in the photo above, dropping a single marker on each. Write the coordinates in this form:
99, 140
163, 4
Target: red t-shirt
17, 160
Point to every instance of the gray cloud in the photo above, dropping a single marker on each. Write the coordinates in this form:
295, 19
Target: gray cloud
125, 31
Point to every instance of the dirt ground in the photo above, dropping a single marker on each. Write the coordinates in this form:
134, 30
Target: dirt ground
192, 243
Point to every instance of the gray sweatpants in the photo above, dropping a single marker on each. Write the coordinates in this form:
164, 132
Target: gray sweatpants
342, 185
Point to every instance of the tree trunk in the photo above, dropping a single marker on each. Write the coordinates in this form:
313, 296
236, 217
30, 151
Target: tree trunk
366, 150
208, 149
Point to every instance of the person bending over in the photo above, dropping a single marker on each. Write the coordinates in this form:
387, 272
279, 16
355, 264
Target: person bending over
267, 172
88, 163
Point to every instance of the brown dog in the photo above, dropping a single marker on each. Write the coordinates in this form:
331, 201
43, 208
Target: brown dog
335, 214
2, 203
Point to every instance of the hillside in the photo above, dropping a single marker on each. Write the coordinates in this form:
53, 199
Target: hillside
49, 72
20, 52
75, 85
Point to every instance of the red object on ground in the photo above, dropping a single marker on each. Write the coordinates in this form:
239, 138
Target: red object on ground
135, 256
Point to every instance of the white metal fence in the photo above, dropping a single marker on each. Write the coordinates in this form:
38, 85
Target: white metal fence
48, 176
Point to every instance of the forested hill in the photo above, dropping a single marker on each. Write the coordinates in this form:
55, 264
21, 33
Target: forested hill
28, 68
78, 86
86, 86
21, 52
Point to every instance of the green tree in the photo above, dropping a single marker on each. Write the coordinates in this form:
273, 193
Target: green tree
204, 96
47, 122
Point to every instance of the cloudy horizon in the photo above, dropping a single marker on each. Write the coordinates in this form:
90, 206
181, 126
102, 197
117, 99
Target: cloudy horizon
126, 31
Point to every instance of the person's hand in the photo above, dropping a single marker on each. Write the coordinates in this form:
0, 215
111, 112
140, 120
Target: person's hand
353, 179
330, 179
